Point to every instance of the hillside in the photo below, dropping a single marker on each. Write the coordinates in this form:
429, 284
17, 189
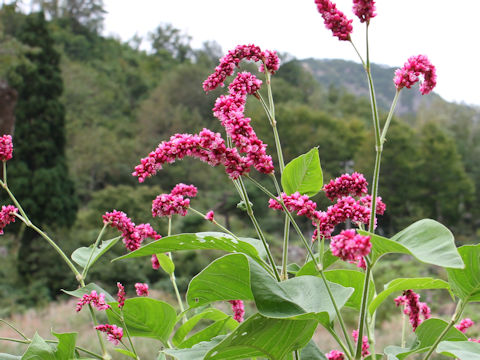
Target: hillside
351, 76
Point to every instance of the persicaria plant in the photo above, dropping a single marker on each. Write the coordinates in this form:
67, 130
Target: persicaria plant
290, 300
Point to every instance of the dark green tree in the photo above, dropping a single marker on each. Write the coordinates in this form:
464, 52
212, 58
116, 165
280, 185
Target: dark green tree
39, 172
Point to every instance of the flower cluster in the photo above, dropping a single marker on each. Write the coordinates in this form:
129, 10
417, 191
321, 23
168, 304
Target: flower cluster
413, 307
133, 236
141, 289
335, 355
114, 333
345, 185
364, 10
6, 216
334, 19
230, 111
120, 295
209, 216
155, 262
464, 325
365, 345
350, 246
207, 146
176, 202
301, 204
6, 147
93, 299
238, 310
233, 58
410, 72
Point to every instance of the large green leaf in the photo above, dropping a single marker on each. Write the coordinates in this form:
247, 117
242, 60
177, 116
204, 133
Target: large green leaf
303, 174
66, 345
207, 314
351, 279
311, 352
406, 284
166, 263
39, 350
463, 350
4, 356
217, 328
227, 278
203, 240
87, 290
427, 240
465, 283
426, 335
236, 277
261, 336
310, 269
145, 317
82, 255
196, 352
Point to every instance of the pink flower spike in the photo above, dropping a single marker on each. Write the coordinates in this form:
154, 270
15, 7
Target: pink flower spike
184, 190
412, 69
464, 325
155, 262
350, 246
335, 355
335, 20
272, 62
238, 310
93, 299
364, 10
120, 295
365, 344
346, 185
6, 147
141, 289
6, 216
209, 216
114, 333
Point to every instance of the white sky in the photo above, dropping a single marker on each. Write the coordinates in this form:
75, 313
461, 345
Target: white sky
447, 33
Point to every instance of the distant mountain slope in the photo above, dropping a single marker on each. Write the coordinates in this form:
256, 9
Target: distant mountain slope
351, 76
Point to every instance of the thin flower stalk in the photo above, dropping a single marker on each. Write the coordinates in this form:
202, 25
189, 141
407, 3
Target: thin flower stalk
97, 242
172, 276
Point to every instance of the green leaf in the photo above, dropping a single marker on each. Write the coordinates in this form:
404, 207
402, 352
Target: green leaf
126, 352
236, 277
197, 352
166, 263
310, 269
261, 336
39, 350
88, 289
303, 174
215, 329
145, 317
351, 279
426, 334
203, 240
463, 350
465, 283
66, 345
427, 240
208, 314
406, 284
227, 278
4, 356
311, 352
81, 255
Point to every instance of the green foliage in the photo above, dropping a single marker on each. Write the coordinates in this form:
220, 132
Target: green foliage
463, 350
465, 282
303, 174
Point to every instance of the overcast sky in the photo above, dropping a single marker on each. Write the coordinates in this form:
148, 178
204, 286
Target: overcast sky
447, 32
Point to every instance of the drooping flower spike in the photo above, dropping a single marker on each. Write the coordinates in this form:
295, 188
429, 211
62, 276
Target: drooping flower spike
335, 355
365, 344
411, 71
350, 246
238, 310
413, 307
334, 19
348, 184
120, 295
98, 301
141, 289
114, 333
6, 216
464, 325
233, 58
6, 147
176, 202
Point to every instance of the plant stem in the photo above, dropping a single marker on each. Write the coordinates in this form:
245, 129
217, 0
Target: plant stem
172, 276
99, 237
257, 228
14, 329
17, 204
28, 341
456, 316
340, 342
404, 329
297, 355
127, 333
389, 117
5, 173
99, 336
